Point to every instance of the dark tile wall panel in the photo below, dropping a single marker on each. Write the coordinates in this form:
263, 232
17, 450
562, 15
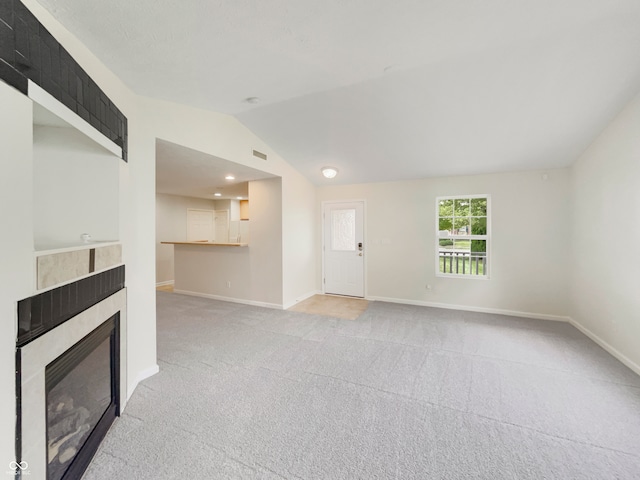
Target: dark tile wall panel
29, 51
41, 313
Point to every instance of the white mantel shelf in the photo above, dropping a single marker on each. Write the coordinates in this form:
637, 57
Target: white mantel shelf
49, 249
208, 244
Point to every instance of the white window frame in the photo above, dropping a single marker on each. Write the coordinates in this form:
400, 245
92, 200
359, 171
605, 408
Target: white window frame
486, 237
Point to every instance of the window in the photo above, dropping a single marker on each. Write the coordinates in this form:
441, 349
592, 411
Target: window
463, 236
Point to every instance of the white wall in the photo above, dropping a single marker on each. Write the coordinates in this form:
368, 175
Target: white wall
76, 188
17, 279
605, 261
171, 226
223, 205
210, 132
232, 205
137, 204
255, 272
266, 240
300, 240
223, 136
529, 252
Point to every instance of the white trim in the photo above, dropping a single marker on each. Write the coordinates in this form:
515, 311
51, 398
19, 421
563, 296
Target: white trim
76, 247
287, 306
471, 308
48, 101
612, 350
142, 376
230, 299
486, 238
465, 276
162, 284
453, 197
147, 373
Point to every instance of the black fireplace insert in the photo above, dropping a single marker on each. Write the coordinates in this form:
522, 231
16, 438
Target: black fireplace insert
82, 400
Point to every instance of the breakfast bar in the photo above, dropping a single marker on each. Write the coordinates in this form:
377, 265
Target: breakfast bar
208, 244
213, 269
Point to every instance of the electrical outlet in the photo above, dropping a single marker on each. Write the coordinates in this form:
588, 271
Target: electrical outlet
228, 283
428, 287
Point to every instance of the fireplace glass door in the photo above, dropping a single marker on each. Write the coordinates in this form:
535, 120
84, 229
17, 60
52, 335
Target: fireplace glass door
81, 391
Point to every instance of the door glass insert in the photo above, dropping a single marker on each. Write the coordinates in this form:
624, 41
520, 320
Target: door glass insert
343, 229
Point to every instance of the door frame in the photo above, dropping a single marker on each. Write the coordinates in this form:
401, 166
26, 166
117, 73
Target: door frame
324, 205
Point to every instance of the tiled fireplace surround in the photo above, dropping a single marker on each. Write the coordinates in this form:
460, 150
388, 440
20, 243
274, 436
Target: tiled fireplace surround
34, 354
73, 295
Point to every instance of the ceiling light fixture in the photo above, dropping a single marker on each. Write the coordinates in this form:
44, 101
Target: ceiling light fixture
239, 198
229, 177
329, 172
217, 194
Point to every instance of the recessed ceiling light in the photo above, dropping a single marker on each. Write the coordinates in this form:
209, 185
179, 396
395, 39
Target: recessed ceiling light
217, 194
239, 198
329, 172
229, 177
252, 100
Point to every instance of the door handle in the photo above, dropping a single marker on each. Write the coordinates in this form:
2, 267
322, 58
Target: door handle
360, 254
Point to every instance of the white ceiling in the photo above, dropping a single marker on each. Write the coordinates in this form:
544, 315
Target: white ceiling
383, 90
190, 173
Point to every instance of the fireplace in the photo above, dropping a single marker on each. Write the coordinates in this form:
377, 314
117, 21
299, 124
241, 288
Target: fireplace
82, 400
69, 375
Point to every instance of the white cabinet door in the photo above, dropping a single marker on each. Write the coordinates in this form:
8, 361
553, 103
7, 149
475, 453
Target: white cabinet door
199, 225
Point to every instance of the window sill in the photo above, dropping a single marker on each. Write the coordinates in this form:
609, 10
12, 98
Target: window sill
466, 277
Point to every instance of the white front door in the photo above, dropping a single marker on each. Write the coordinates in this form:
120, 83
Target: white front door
199, 225
344, 248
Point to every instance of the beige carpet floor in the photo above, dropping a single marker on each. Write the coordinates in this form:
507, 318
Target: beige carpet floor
401, 393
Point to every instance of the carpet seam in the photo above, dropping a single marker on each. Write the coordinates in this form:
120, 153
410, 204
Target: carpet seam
491, 358
435, 405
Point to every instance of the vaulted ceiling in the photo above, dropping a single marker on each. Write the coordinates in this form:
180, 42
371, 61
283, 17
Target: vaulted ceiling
383, 90
190, 173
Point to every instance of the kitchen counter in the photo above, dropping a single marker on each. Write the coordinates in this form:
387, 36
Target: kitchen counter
208, 244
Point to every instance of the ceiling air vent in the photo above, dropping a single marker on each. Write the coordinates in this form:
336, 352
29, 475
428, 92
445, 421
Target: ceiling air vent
258, 154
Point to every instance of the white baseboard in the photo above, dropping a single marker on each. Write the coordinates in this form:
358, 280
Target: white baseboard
467, 308
287, 306
162, 284
143, 375
230, 299
608, 347
149, 372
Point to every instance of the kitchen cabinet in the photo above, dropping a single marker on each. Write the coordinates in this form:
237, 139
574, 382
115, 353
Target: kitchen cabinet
244, 209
